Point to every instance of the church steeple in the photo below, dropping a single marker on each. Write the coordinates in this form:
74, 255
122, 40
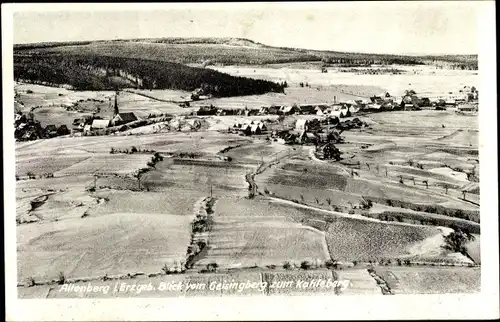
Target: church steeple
116, 105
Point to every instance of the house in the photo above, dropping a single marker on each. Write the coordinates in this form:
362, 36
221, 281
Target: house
246, 129
100, 124
63, 130
307, 109
354, 109
450, 102
335, 110
81, 122
344, 111
262, 126
87, 128
301, 125
264, 110
320, 109
220, 112
387, 106
289, 110
50, 130
274, 109
412, 99
255, 129
269, 110
466, 108
251, 112
123, 118
207, 110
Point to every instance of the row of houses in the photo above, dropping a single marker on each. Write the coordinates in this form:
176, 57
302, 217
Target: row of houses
252, 128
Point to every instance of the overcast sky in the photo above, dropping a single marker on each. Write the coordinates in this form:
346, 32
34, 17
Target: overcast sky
380, 27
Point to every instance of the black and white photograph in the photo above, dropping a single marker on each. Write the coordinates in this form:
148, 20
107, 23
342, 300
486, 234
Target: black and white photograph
254, 152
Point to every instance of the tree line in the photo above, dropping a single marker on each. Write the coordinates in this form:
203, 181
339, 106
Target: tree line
85, 72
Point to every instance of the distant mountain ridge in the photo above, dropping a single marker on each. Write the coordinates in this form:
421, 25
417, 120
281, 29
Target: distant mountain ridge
281, 54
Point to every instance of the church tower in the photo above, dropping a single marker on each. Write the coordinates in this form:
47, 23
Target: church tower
116, 105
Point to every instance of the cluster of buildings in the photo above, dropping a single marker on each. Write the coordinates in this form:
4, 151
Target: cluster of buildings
316, 131
92, 122
27, 128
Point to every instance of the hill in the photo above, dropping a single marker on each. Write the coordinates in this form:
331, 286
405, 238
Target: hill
235, 51
87, 71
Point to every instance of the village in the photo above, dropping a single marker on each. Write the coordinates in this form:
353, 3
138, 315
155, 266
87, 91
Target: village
268, 172
464, 101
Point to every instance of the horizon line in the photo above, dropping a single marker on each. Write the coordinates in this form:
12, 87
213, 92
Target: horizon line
248, 39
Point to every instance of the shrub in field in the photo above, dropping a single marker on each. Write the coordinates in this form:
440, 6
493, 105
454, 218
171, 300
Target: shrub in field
287, 265
456, 240
209, 206
157, 157
331, 264
329, 201
212, 267
366, 203
133, 149
30, 175
431, 209
266, 191
165, 269
61, 278
29, 282
305, 265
